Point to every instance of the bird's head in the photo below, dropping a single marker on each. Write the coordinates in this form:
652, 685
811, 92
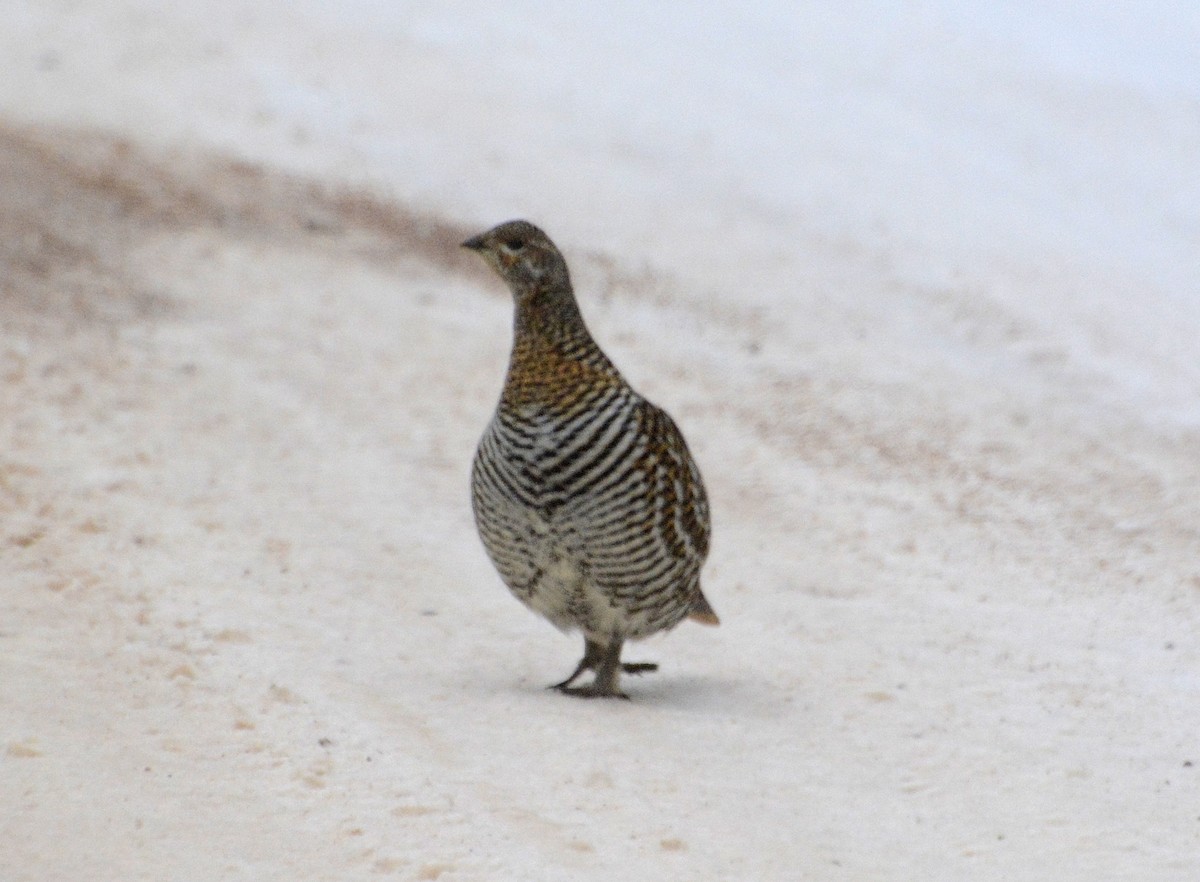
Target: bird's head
523, 256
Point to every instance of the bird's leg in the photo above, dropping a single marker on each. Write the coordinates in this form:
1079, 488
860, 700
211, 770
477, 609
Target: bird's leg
592, 652
606, 662
593, 655
639, 667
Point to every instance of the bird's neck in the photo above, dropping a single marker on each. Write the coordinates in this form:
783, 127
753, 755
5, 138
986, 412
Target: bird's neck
549, 314
554, 355
548, 319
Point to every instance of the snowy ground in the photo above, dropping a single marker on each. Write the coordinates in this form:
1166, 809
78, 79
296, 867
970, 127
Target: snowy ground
922, 287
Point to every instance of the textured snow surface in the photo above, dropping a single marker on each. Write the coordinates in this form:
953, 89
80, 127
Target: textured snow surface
920, 283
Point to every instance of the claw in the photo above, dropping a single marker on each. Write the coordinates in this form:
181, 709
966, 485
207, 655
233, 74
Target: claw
638, 667
592, 691
605, 662
565, 684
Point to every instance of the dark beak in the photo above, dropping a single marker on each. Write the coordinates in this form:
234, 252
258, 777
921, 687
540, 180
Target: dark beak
475, 243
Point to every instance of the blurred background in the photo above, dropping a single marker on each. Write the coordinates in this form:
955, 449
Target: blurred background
920, 281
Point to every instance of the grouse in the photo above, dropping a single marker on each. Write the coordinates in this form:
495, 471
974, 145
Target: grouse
585, 495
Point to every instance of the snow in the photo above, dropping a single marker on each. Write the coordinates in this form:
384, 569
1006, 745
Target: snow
919, 282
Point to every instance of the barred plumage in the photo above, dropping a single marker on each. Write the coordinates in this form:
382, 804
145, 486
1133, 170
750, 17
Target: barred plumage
585, 495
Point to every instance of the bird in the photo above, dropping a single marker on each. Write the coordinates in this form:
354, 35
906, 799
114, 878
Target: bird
585, 495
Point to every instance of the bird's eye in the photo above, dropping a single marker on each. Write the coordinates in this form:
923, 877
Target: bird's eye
514, 244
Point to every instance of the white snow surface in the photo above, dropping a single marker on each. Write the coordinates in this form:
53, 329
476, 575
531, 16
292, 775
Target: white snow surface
920, 282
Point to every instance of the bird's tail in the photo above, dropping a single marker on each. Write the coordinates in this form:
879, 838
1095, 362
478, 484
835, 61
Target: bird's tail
702, 610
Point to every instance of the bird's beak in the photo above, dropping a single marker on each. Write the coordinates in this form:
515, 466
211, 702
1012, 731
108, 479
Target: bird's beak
475, 243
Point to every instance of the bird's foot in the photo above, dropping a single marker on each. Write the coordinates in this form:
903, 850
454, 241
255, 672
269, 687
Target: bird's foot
592, 690
605, 662
588, 664
627, 667
638, 667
